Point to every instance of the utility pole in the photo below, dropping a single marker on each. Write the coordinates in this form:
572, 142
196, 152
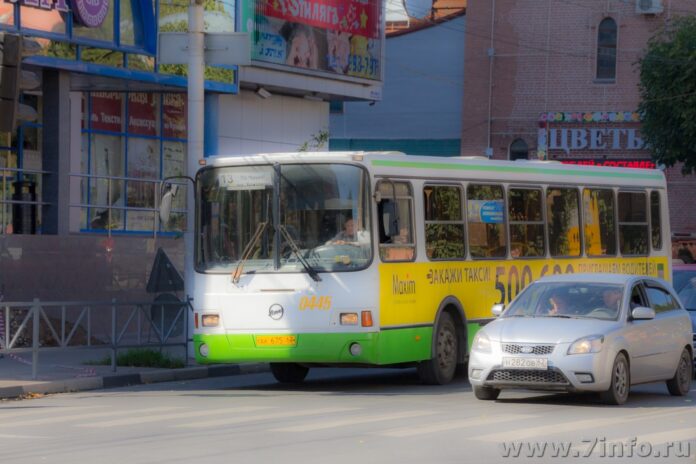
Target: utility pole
196, 113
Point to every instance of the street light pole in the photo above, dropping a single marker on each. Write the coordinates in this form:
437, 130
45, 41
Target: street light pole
196, 94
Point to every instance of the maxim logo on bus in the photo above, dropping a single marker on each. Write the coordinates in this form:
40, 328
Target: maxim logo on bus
403, 287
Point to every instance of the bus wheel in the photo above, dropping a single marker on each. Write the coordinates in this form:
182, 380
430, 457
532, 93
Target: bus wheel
441, 368
289, 372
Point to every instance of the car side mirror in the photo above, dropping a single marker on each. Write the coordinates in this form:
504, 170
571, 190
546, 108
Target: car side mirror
497, 309
641, 313
165, 208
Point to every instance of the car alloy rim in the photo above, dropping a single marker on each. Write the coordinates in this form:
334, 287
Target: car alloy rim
620, 379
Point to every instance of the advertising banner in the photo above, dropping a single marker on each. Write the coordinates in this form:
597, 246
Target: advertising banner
142, 113
333, 36
107, 111
614, 163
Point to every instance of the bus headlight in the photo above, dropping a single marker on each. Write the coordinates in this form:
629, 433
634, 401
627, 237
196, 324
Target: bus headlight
210, 320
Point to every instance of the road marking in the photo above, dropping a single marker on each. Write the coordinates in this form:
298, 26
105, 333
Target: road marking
353, 421
28, 412
662, 437
262, 417
78, 417
145, 419
476, 421
12, 436
553, 429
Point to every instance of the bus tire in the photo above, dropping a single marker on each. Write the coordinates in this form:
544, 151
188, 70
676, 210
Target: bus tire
289, 372
440, 369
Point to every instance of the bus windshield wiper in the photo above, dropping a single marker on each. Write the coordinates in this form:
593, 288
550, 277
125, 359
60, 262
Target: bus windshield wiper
251, 246
293, 246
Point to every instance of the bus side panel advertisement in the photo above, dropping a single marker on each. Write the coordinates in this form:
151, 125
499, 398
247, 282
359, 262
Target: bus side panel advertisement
410, 293
340, 37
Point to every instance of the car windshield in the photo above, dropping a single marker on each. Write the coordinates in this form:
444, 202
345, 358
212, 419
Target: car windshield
687, 294
568, 300
318, 221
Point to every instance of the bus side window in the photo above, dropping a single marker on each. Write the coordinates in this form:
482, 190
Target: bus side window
485, 210
396, 242
563, 220
655, 220
600, 222
633, 223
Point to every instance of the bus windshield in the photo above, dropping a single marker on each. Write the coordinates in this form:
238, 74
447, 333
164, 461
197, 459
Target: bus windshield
273, 218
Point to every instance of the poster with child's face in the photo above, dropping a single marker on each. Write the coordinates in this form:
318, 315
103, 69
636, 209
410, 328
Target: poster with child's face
332, 36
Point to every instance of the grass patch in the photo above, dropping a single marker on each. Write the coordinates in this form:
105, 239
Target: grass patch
142, 357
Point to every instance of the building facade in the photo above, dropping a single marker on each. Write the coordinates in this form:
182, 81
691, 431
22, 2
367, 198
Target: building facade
79, 185
420, 112
558, 80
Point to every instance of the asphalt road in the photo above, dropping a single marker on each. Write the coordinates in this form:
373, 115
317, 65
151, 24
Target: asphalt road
341, 416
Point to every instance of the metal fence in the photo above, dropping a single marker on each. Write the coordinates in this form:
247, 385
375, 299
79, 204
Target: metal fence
38, 326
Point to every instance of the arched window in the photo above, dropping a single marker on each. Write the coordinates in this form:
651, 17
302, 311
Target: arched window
606, 50
519, 150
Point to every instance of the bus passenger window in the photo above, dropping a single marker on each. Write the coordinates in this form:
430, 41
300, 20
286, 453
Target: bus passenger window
656, 230
485, 208
525, 214
444, 222
600, 222
633, 223
563, 219
400, 247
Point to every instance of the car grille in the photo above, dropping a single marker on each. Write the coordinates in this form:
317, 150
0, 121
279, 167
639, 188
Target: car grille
514, 348
527, 376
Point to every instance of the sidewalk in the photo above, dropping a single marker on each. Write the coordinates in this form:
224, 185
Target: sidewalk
66, 371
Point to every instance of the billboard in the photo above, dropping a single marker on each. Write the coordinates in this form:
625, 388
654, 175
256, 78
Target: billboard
338, 37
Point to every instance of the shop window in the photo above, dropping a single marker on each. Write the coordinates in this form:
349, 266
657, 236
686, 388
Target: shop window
563, 220
130, 142
444, 222
525, 214
600, 222
485, 212
606, 50
21, 176
633, 223
519, 150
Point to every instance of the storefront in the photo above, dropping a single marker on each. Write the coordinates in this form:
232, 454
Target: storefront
78, 185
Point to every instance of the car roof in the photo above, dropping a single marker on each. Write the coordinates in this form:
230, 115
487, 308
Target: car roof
620, 279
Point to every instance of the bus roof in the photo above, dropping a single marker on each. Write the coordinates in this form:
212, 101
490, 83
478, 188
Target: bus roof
397, 164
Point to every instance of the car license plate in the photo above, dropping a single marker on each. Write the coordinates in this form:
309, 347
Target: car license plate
276, 340
526, 363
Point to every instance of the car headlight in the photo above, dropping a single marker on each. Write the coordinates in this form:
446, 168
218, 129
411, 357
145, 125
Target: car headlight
482, 343
584, 345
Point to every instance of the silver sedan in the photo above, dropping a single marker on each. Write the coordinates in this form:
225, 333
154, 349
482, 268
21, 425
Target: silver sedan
586, 332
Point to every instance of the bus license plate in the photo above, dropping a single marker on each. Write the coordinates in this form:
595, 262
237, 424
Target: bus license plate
276, 340
526, 363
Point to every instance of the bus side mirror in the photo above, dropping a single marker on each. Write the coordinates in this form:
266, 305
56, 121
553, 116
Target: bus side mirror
165, 208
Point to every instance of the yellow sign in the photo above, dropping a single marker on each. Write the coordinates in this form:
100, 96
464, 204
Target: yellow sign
321, 303
276, 340
410, 293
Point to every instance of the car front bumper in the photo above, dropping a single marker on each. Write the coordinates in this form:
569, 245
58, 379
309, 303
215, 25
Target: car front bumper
572, 373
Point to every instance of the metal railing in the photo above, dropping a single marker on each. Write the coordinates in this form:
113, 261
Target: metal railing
38, 326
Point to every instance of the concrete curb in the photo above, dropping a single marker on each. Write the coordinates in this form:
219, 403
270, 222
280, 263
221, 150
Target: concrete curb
124, 380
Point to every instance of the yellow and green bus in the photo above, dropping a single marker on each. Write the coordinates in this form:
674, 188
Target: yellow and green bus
306, 260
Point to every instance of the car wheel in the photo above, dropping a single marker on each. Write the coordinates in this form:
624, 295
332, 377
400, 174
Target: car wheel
289, 372
486, 393
680, 384
440, 369
620, 382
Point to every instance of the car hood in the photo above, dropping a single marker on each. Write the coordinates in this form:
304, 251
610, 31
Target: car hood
545, 329
692, 315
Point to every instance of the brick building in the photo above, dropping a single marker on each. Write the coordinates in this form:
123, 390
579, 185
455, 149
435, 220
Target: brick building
558, 79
